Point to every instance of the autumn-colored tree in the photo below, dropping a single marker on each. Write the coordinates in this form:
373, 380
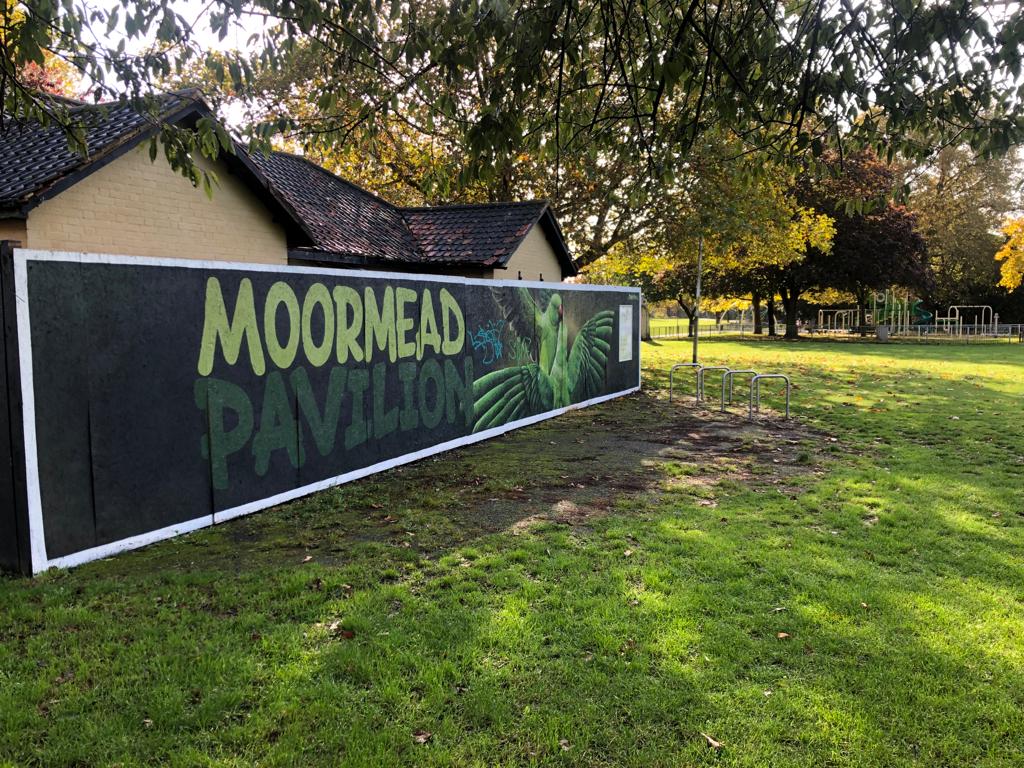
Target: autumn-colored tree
1012, 255
55, 77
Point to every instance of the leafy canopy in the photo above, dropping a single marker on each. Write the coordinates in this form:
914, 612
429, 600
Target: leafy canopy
557, 78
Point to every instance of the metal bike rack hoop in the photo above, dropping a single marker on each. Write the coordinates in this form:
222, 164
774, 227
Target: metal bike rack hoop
700, 378
672, 373
729, 375
755, 391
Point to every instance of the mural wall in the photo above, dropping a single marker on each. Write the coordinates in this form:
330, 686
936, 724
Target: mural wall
161, 396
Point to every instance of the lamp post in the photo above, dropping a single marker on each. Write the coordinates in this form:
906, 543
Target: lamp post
696, 296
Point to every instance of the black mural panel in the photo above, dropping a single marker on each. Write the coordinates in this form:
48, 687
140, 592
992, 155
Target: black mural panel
166, 395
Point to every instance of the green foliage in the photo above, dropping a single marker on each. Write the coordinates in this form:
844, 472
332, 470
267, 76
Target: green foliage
566, 85
961, 203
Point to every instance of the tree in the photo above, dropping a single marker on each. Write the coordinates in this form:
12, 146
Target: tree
555, 79
875, 244
659, 277
960, 202
1012, 255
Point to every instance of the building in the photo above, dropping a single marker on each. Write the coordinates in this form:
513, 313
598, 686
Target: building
277, 209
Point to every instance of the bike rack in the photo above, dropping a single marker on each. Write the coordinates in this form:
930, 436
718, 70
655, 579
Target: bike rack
700, 378
728, 375
672, 373
755, 391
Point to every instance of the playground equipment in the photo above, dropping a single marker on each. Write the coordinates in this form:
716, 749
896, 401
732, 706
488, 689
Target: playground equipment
899, 312
983, 321
836, 320
755, 391
672, 373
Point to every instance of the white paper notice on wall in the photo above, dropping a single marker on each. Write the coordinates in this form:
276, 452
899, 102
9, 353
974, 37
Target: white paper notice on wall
625, 333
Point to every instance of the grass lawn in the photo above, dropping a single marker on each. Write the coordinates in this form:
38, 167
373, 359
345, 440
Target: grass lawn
602, 589
677, 324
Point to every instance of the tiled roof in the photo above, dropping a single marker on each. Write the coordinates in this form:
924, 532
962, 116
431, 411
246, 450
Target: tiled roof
349, 221
33, 157
343, 218
483, 234
328, 216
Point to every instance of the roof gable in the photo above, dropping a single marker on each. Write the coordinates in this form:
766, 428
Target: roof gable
34, 157
37, 164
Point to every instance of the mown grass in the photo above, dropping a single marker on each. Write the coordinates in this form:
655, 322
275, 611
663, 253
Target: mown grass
883, 539
677, 324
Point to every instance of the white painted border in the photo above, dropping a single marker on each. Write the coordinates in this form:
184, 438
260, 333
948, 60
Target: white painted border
40, 561
150, 261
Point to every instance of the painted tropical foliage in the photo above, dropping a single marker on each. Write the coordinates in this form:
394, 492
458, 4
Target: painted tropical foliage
564, 371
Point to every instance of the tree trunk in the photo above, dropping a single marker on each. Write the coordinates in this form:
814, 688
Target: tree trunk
862, 309
755, 306
789, 301
771, 315
688, 311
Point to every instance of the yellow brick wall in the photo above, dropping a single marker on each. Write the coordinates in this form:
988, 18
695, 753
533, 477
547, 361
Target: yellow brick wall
136, 207
534, 257
12, 229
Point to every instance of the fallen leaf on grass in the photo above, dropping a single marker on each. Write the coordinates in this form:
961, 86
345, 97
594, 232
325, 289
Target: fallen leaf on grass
307, 558
147, 722
338, 631
783, 635
628, 553
421, 737
864, 605
716, 745
564, 744
778, 609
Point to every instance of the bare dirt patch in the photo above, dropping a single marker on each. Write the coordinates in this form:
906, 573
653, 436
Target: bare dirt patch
565, 471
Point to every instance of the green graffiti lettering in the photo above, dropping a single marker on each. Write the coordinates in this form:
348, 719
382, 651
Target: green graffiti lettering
380, 323
322, 425
385, 420
431, 373
451, 311
404, 324
409, 417
427, 335
356, 432
346, 298
217, 398
277, 430
317, 296
459, 391
243, 325
282, 355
